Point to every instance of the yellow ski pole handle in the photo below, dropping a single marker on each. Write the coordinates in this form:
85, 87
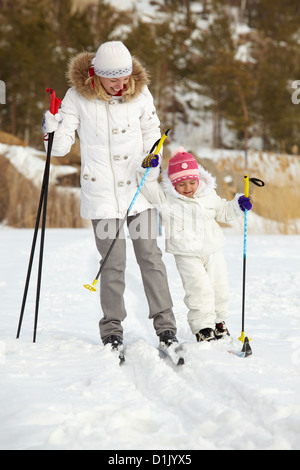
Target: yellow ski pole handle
246, 185
161, 142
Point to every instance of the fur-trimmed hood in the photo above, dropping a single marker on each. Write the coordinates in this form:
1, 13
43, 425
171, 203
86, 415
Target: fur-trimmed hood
207, 183
78, 73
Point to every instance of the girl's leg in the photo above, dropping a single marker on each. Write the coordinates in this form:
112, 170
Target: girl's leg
217, 271
199, 295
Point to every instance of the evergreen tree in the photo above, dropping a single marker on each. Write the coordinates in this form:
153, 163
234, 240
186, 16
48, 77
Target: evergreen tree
162, 49
277, 56
25, 58
275, 111
214, 66
276, 19
37, 39
107, 23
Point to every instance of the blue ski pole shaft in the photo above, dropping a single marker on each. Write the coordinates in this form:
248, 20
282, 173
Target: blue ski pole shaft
121, 225
245, 340
242, 337
138, 191
156, 148
244, 271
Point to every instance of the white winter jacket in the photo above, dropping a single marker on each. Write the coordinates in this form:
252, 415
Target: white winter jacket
113, 135
191, 226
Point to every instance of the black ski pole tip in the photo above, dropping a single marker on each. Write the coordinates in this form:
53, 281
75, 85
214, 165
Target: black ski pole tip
246, 347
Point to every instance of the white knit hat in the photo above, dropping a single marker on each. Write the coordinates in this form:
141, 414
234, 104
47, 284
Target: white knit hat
112, 60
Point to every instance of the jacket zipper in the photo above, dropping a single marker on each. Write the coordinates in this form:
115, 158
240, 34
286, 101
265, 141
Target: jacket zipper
110, 156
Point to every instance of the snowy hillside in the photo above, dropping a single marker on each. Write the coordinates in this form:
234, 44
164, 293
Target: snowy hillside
67, 391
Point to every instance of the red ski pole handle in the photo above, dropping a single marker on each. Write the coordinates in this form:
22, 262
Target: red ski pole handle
54, 102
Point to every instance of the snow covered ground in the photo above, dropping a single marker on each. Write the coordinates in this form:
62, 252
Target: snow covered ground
66, 391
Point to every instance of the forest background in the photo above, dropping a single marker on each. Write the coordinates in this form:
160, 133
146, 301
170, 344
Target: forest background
231, 63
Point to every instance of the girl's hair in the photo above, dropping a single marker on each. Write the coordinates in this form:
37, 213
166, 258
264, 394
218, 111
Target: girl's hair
95, 82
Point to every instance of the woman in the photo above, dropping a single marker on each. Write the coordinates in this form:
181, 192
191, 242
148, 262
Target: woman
112, 110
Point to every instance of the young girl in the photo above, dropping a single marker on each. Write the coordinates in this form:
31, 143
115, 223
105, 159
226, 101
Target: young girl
190, 209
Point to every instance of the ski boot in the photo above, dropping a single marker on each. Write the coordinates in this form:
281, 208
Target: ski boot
221, 330
206, 334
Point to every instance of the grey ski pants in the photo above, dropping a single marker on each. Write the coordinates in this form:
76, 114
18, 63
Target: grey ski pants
143, 233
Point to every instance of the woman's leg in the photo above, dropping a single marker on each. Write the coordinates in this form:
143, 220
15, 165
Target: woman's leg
112, 280
143, 229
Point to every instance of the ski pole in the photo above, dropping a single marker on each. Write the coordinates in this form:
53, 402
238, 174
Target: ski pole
242, 337
155, 149
245, 339
54, 106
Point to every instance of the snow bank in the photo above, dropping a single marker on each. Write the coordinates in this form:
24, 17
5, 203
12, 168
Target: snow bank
31, 163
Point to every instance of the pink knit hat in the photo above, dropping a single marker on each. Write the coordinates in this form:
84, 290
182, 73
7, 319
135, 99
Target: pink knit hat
182, 166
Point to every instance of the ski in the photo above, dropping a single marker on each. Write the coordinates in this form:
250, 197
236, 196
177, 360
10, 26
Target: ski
121, 357
173, 352
237, 353
120, 353
117, 349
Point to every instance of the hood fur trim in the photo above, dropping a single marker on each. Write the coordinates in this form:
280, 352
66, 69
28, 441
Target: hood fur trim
78, 73
207, 183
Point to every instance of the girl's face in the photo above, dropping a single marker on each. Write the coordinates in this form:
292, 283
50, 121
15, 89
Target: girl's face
112, 86
187, 187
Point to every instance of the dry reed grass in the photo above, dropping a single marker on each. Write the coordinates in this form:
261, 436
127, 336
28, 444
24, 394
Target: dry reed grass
278, 201
19, 200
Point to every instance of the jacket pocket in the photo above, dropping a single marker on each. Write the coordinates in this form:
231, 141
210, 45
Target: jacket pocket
86, 177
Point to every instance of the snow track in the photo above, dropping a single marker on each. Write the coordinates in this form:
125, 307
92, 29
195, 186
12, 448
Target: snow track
67, 391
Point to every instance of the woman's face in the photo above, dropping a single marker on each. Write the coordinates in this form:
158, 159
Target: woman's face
112, 86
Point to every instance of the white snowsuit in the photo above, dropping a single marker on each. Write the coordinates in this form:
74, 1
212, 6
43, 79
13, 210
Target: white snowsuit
196, 240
